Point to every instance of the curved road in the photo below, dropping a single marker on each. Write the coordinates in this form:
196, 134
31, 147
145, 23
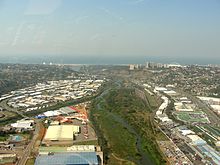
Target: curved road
4, 105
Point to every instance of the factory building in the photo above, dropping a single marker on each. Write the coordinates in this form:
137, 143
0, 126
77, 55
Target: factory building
204, 149
23, 124
60, 134
73, 158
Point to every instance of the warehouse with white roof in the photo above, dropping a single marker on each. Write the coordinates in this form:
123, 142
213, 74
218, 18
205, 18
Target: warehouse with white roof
63, 134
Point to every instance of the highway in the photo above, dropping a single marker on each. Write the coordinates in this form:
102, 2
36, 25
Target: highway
4, 105
30, 146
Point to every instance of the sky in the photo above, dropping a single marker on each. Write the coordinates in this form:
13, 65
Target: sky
110, 31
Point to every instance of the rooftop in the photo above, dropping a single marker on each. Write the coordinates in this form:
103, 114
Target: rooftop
61, 132
74, 158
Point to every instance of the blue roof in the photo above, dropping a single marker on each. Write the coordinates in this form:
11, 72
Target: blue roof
16, 138
72, 158
199, 142
210, 152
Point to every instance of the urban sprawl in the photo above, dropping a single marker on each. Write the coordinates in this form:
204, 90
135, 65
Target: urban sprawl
49, 122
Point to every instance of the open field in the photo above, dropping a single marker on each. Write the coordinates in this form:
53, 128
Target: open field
30, 161
116, 134
192, 117
116, 160
153, 102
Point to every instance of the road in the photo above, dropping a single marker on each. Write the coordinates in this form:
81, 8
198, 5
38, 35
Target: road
4, 105
29, 148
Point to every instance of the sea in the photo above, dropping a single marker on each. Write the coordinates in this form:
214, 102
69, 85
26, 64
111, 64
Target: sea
106, 60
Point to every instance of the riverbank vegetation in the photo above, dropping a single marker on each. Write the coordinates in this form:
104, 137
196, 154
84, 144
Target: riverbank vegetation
123, 120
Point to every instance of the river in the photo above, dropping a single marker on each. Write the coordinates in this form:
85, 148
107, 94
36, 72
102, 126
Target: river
144, 160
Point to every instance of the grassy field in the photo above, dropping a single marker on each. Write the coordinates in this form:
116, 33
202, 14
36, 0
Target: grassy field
114, 160
191, 117
120, 141
121, 117
4, 138
30, 161
153, 102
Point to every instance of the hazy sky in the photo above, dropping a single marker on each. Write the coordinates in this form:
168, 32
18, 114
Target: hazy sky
106, 29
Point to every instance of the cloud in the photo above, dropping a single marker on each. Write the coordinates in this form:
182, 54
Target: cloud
18, 33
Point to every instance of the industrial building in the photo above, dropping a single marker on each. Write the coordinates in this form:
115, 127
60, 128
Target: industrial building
62, 111
23, 124
81, 148
160, 112
73, 158
196, 140
213, 102
180, 106
204, 149
74, 148
74, 155
63, 134
36, 97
